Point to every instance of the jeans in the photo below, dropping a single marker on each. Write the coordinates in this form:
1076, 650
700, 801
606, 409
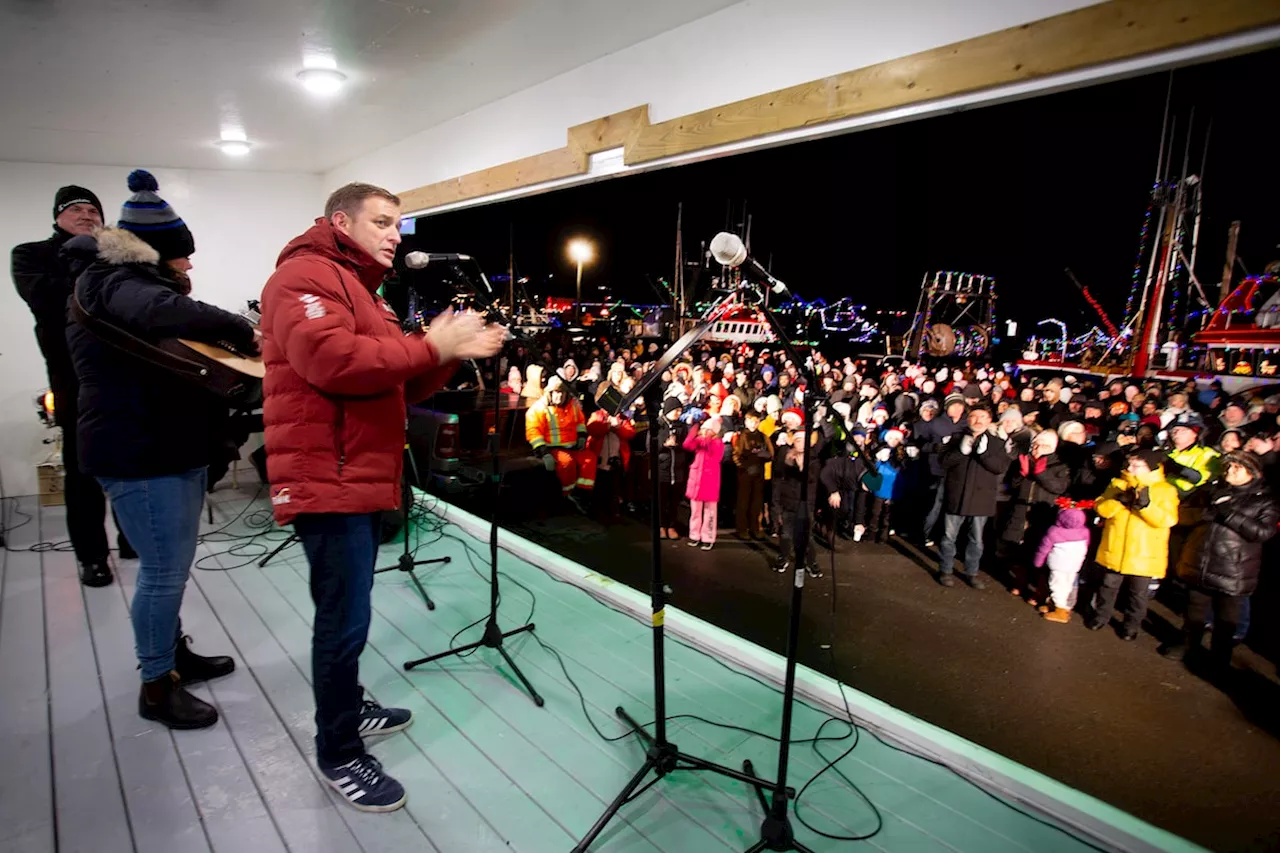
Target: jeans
161, 517
787, 525
973, 548
934, 488
342, 550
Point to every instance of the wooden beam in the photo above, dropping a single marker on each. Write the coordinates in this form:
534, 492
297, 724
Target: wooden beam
1106, 32
1094, 35
611, 131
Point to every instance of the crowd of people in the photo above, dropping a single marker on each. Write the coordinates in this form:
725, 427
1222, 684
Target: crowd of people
1077, 490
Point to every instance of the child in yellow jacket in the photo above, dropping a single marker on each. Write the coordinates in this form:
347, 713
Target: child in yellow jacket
1140, 507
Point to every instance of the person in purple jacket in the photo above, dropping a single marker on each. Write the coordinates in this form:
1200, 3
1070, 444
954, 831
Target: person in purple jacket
703, 490
1064, 547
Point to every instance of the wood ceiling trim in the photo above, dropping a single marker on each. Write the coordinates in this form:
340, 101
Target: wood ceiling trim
1106, 32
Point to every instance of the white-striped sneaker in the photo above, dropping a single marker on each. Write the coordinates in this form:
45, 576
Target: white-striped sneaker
362, 783
377, 720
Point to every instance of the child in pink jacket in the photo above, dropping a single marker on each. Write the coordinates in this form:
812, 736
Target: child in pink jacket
1064, 547
703, 490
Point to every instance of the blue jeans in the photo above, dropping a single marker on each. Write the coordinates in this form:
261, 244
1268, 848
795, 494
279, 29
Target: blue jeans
341, 550
161, 518
973, 548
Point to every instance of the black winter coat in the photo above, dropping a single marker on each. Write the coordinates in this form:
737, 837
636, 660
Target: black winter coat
1031, 498
673, 462
138, 420
44, 280
971, 482
1225, 554
788, 478
929, 437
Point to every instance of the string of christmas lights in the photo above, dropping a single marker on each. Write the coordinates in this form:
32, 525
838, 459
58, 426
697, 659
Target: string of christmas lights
1136, 287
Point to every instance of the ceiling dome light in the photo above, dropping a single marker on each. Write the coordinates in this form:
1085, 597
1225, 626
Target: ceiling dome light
233, 147
322, 81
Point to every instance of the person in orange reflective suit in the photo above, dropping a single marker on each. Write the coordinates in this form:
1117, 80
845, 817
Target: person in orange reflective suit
555, 426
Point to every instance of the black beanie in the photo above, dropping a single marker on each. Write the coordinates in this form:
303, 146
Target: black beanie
72, 194
153, 220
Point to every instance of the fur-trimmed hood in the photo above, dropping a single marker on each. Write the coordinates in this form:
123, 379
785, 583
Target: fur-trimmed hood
117, 247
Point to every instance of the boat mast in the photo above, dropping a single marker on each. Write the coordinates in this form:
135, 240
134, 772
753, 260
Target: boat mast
1149, 312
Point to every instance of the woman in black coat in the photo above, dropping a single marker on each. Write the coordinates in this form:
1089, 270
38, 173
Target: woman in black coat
1222, 559
673, 465
147, 434
1038, 478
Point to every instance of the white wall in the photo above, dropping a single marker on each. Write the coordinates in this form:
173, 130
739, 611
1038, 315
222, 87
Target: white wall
241, 221
747, 49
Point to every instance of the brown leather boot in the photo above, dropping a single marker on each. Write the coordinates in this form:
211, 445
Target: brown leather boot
1060, 615
166, 701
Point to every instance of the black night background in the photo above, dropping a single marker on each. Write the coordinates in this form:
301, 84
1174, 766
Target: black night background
1018, 190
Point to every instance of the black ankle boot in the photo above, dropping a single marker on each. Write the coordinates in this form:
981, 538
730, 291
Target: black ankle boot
166, 701
193, 668
96, 573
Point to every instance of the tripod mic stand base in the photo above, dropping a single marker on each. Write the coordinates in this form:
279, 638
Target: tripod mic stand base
775, 832
492, 639
407, 564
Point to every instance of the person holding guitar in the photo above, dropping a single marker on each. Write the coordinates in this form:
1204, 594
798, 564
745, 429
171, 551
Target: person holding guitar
339, 372
146, 433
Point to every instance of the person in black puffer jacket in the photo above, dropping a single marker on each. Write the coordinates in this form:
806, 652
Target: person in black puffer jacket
1222, 559
44, 276
146, 434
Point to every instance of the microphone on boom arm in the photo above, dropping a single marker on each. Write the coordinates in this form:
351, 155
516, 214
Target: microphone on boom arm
728, 249
482, 292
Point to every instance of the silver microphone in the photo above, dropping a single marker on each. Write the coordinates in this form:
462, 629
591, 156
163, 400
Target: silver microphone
419, 260
728, 249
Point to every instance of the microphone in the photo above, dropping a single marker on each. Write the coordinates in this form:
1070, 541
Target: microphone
728, 249
419, 260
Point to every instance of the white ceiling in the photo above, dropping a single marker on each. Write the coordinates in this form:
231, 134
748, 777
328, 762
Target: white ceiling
138, 83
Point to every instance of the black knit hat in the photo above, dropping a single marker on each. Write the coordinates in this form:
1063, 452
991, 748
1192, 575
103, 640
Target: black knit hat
153, 220
1153, 458
72, 194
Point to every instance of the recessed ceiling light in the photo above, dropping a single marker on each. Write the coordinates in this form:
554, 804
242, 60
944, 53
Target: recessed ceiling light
322, 81
233, 147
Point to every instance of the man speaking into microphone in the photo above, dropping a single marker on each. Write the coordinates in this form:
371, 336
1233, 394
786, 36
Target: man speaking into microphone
339, 373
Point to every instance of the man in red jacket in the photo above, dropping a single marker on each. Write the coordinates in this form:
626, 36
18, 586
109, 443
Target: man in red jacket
338, 375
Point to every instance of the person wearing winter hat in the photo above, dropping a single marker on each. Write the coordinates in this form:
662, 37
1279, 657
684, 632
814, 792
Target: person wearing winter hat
673, 466
44, 280
148, 436
974, 463
1222, 560
1063, 549
338, 378
1140, 507
932, 435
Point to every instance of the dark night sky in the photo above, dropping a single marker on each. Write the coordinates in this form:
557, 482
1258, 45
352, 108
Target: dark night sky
1017, 191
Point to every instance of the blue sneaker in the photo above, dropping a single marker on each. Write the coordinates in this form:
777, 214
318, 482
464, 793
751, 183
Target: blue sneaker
363, 784
377, 720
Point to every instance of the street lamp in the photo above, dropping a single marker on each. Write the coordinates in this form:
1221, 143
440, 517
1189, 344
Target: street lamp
580, 252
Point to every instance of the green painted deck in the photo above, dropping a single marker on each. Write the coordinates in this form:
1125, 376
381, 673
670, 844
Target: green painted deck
485, 769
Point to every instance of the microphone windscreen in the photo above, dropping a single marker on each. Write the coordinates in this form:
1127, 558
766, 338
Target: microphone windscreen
728, 249
416, 260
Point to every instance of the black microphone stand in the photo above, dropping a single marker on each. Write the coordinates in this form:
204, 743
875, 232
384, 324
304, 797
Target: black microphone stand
493, 636
661, 756
406, 563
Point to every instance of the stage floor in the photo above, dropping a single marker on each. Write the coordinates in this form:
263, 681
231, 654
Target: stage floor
485, 769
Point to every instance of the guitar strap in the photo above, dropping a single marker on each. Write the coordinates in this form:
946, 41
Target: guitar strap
124, 340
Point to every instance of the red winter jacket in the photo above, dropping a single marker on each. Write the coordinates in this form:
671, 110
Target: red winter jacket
337, 365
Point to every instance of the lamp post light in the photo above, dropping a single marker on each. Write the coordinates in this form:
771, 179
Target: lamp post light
580, 252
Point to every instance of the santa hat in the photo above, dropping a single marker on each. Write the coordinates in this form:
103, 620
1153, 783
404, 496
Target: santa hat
892, 431
793, 414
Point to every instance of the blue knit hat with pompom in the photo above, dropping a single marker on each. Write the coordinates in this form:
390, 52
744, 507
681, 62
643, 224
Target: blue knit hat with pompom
152, 219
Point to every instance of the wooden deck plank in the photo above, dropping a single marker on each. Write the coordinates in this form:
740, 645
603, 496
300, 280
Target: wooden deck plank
88, 796
309, 819
27, 821
162, 811
484, 783
230, 805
